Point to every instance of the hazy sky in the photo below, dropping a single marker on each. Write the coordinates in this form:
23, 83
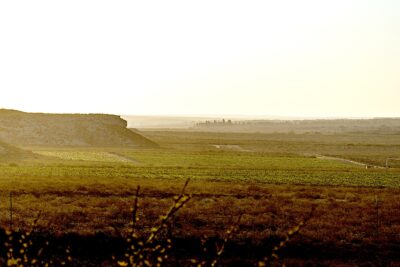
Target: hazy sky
297, 58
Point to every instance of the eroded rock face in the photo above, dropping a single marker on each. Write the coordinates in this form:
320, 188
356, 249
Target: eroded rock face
20, 128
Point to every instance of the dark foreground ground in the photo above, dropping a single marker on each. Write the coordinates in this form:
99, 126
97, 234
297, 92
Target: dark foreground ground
78, 205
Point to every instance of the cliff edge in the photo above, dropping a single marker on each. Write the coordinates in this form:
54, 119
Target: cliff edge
21, 128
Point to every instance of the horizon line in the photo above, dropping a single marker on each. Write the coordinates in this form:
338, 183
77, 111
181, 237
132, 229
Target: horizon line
221, 116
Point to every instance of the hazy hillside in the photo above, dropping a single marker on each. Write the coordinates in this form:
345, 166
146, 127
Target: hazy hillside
9, 152
20, 128
163, 122
381, 125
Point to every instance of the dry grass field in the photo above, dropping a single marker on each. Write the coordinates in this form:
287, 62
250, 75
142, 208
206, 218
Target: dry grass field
82, 198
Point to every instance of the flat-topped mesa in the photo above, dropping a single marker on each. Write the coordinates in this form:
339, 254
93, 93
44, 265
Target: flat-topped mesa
21, 128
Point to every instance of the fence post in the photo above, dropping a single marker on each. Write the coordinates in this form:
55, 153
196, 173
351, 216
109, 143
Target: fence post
377, 214
11, 211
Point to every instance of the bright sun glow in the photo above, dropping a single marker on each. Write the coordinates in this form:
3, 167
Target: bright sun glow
299, 58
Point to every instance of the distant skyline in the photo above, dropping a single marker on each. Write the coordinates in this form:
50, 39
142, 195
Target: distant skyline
208, 58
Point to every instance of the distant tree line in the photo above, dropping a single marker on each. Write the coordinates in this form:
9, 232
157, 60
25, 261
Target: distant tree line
215, 122
378, 125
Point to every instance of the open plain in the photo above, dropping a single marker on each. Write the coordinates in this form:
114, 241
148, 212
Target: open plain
83, 196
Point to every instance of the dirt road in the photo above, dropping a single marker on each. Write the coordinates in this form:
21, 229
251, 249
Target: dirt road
361, 164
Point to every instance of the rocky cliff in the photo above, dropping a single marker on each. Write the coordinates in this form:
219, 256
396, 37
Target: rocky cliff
21, 128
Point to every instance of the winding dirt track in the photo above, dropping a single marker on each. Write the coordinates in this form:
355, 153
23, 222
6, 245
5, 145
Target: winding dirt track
231, 148
361, 164
123, 158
